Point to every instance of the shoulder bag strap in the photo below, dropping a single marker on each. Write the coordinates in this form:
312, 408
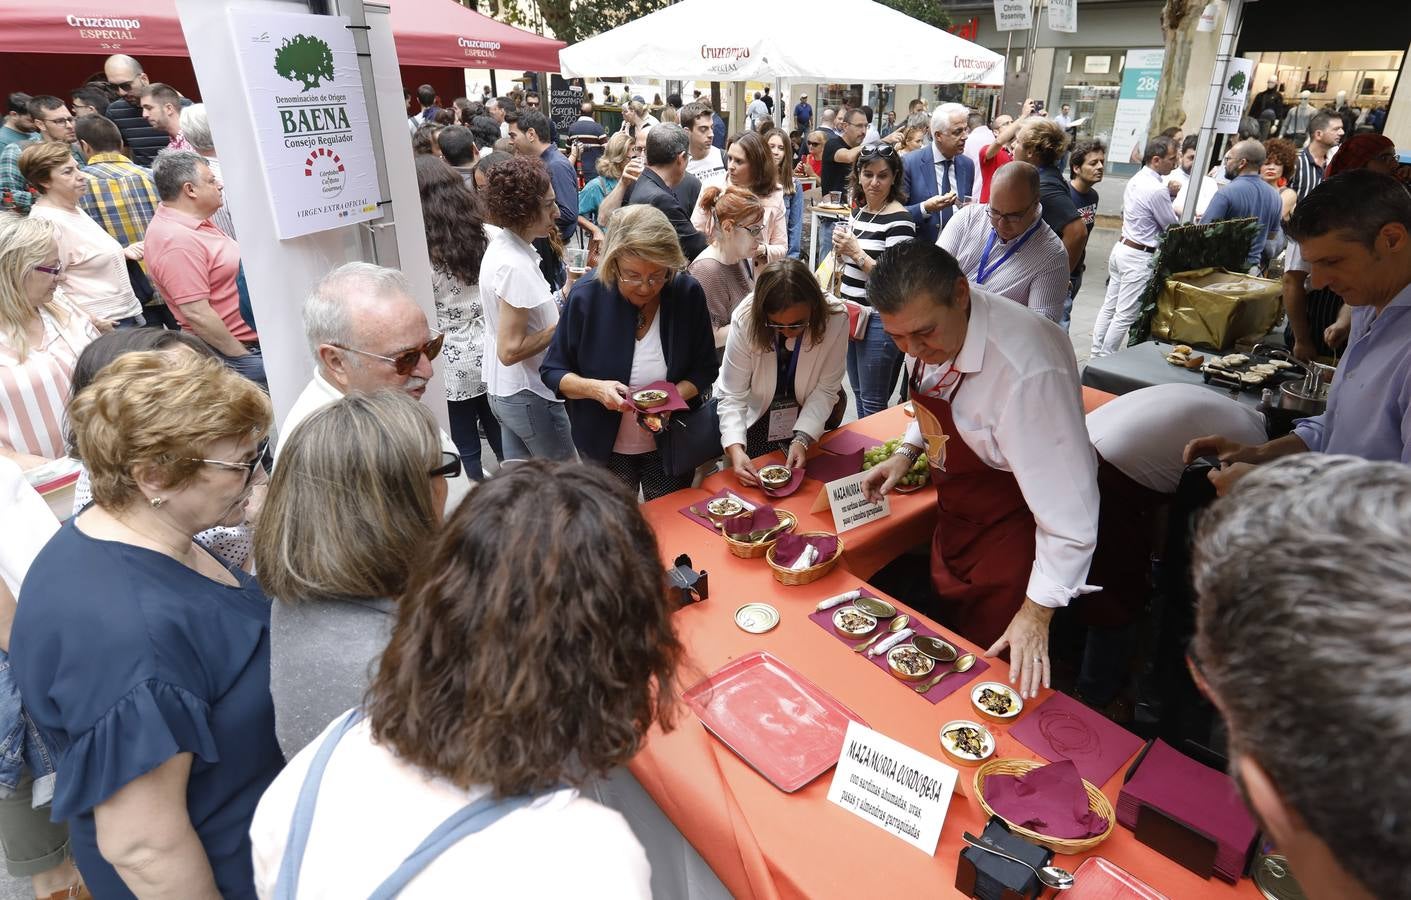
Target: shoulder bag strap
286, 886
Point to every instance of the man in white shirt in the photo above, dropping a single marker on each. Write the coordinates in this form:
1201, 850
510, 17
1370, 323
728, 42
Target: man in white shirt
705, 161
1005, 247
1146, 214
757, 110
999, 415
367, 334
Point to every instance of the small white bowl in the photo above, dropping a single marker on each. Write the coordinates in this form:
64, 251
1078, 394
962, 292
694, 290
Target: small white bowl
1016, 705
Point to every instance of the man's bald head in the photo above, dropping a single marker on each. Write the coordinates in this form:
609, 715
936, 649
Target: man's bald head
1014, 199
1252, 152
125, 73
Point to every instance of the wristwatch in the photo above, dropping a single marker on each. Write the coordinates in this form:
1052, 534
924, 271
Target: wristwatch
911, 453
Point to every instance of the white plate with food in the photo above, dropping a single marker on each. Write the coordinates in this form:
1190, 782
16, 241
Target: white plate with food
968, 743
996, 701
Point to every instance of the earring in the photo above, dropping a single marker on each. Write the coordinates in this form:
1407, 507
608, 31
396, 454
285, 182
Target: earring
157, 502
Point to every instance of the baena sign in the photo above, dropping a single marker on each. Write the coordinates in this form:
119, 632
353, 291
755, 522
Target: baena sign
311, 122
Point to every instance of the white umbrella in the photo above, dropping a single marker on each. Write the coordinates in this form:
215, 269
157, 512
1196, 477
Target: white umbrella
755, 40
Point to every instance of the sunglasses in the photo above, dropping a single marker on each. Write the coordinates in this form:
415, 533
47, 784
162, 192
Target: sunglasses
815, 143
877, 151
124, 86
264, 459
450, 466
405, 361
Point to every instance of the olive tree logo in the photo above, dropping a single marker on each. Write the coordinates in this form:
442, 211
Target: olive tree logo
305, 59
1236, 84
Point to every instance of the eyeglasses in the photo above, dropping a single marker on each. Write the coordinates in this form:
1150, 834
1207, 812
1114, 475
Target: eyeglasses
264, 459
755, 230
794, 326
636, 281
1013, 218
405, 361
450, 466
56, 271
65, 120
877, 151
815, 143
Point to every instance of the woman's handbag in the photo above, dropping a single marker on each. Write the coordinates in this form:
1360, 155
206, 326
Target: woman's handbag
690, 440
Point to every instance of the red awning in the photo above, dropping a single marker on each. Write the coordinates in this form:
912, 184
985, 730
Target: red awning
427, 33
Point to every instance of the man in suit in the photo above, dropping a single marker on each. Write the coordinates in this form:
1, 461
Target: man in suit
668, 147
936, 176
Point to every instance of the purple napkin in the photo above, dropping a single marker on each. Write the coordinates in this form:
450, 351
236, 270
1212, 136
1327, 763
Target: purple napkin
948, 685
793, 484
1196, 795
845, 442
673, 403
1050, 800
791, 545
1063, 728
827, 467
762, 518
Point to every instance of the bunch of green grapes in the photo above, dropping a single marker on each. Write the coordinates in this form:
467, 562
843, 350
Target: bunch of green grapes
917, 475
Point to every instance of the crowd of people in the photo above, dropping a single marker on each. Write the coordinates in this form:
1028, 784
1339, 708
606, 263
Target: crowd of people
189, 653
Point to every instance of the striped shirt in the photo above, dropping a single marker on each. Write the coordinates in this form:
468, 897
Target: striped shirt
875, 232
1307, 174
34, 393
1036, 275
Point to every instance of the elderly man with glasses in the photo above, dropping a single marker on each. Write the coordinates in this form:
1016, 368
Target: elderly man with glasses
1005, 247
367, 334
941, 175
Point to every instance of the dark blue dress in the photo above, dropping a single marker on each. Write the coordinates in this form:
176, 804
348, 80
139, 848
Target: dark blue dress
125, 658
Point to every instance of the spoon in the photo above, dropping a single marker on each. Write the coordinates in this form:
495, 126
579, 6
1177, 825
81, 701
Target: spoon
897, 625
961, 665
759, 537
934, 647
1052, 876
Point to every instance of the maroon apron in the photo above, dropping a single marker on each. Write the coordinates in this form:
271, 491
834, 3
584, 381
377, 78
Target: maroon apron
983, 550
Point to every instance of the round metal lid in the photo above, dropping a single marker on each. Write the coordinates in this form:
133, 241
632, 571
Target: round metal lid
756, 618
1275, 880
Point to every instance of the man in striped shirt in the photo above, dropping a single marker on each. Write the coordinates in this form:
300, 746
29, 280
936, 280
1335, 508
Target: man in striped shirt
1324, 133
1006, 247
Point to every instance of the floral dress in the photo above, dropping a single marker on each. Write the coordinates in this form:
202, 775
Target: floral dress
460, 316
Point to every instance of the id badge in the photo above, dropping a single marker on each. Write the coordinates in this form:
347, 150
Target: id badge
782, 418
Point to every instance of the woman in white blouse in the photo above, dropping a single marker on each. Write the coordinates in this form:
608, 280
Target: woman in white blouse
522, 313
94, 263
784, 362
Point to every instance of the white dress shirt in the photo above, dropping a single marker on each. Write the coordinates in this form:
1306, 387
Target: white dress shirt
1020, 410
1036, 276
1146, 208
1143, 433
748, 376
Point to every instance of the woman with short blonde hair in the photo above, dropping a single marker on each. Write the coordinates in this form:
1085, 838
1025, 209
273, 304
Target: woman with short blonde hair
639, 320
142, 657
373, 464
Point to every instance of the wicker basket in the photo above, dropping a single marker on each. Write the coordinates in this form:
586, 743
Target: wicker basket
814, 572
1097, 802
746, 550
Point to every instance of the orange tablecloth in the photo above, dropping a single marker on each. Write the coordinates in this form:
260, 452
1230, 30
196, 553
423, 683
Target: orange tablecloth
763, 843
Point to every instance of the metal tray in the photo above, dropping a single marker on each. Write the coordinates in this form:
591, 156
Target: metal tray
781, 724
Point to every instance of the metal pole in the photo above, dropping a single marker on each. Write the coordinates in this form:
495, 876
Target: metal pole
1031, 44
1229, 32
1008, 45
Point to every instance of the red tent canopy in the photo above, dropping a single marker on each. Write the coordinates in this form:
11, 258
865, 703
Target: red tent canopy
438, 33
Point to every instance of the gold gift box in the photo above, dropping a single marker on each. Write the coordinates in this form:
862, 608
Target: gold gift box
1189, 311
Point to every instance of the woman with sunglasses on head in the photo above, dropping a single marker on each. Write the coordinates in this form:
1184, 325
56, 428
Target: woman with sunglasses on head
751, 166
724, 268
374, 464
781, 150
783, 369
521, 314
878, 222
41, 337
144, 659
638, 320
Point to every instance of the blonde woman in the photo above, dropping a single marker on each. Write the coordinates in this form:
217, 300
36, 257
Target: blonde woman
374, 464
635, 115
639, 319
590, 199
41, 336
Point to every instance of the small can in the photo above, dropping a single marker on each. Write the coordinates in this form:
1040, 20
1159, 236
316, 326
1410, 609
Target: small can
756, 618
1275, 880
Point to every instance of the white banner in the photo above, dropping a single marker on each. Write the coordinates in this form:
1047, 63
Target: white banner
1013, 15
1141, 75
1063, 15
1234, 96
900, 790
306, 98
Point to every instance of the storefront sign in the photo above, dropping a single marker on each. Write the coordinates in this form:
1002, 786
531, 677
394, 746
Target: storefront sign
306, 99
1207, 17
850, 509
1063, 15
1013, 15
1234, 96
969, 29
1140, 78
894, 787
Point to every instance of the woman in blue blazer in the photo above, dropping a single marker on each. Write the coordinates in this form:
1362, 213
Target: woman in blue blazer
638, 319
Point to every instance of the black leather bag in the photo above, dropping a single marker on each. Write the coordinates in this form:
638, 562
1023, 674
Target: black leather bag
690, 440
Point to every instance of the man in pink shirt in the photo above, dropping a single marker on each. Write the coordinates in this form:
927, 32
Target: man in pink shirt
195, 265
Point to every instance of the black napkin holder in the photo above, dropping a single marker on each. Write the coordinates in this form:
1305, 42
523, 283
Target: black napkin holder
686, 585
988, 877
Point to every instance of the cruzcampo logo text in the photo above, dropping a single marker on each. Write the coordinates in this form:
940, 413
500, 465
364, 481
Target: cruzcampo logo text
305, 59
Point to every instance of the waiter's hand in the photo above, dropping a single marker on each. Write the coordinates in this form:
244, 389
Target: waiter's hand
1225, 449
884, 476
1027, 640
740, 464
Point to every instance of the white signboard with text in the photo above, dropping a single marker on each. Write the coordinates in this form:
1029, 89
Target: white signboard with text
1234, 96
1013, 15
1141, 76
849, 507
900, 790
1063, 15
310, 119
